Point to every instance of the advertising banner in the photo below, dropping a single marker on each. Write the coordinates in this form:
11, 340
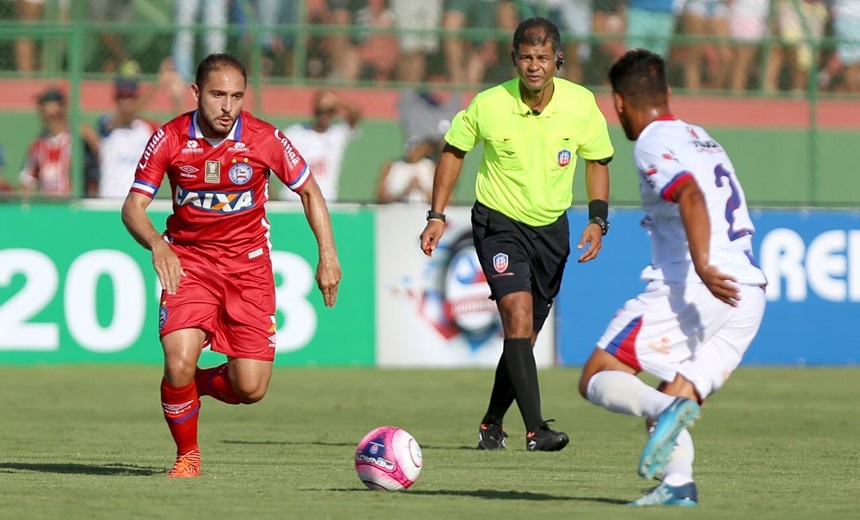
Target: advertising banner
436, 312
811, 260
75, 287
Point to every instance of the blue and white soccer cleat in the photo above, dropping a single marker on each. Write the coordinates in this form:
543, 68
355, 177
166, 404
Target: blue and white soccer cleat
666, 495
655, 455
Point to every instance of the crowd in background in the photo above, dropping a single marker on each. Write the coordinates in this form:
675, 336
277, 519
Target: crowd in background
736, 45
430, 48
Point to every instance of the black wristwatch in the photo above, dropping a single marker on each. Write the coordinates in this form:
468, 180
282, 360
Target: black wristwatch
602, 222
435, 215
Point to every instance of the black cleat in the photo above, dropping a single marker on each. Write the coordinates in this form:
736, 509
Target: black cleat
491, 437
546, 439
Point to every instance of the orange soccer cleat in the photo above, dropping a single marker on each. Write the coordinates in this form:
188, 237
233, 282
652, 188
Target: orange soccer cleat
187, 465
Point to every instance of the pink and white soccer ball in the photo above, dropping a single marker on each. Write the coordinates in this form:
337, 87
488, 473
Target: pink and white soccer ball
388, 458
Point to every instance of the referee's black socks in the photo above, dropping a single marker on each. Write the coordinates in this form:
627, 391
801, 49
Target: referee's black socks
520, 359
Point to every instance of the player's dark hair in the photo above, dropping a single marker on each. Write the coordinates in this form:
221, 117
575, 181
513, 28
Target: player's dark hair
640, 77
536, 31
217, 61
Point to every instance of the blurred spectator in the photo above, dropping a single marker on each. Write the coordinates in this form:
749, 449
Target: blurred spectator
416, 15
608, 29
323, 142
409, 179
574, 19
107, 13
213, 14
703, 20
468, 58
795, 54
342, 50
747, 27
427, 114
650, 24
47, 167
846, 29
29, 11
277, 47
377, 51
5, 187
124, 133
364, 46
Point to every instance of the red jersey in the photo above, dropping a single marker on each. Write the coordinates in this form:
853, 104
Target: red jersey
47, 166
220, 186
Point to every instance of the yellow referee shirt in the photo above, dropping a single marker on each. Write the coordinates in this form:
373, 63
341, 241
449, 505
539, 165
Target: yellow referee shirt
527, 169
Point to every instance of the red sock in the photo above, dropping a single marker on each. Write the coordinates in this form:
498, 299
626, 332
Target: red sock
181, 409
216, 383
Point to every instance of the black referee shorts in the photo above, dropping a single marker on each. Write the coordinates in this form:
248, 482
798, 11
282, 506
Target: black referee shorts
517, 257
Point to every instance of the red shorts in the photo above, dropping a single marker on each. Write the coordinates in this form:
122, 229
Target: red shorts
236, 310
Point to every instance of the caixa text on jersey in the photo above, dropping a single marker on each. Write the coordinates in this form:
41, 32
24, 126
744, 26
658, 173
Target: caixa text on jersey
216, 201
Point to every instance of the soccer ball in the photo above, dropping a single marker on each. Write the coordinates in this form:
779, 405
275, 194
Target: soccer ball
388, 458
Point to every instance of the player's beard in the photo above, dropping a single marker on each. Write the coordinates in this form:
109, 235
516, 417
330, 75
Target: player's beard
215, 127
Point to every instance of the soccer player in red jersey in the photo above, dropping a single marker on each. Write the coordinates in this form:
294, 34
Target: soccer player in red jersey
213, 261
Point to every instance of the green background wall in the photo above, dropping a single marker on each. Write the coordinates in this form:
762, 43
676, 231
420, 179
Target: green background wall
773, 164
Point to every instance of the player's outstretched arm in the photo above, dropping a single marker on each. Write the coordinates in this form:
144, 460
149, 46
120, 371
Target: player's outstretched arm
697, 225
139, 225
328, 269
447, 171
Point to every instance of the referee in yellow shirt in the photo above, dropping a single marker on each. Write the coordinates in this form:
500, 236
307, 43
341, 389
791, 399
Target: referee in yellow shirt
532, 127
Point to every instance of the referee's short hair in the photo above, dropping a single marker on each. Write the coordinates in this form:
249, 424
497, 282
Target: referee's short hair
536, 31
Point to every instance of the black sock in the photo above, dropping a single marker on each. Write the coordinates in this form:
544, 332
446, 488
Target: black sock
502, 396
520, 359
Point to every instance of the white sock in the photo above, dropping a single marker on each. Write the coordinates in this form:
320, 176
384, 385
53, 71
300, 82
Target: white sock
679, 471
621, 392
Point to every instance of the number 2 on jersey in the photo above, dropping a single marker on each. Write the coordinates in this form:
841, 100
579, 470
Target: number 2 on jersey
734, 203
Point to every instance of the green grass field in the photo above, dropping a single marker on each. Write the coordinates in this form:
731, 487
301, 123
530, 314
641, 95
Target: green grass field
90, 442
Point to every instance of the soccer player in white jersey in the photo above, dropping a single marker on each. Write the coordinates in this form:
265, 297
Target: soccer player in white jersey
704, 299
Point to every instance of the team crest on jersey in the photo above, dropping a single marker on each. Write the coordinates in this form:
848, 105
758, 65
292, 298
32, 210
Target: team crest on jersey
216, 201
500, 262
564, 157
240, 173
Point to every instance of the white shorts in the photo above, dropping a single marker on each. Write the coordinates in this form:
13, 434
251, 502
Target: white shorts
682, 328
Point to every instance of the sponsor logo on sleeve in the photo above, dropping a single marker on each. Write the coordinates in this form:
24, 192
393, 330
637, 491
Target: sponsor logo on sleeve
154, 144
289, 152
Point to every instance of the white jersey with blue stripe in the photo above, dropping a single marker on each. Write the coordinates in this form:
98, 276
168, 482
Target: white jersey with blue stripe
668, 152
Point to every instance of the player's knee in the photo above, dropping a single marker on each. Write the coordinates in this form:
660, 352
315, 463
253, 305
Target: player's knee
701, 384
583, 385
250, 393
179, 371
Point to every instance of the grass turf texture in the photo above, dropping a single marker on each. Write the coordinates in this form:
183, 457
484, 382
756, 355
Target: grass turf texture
90, 442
